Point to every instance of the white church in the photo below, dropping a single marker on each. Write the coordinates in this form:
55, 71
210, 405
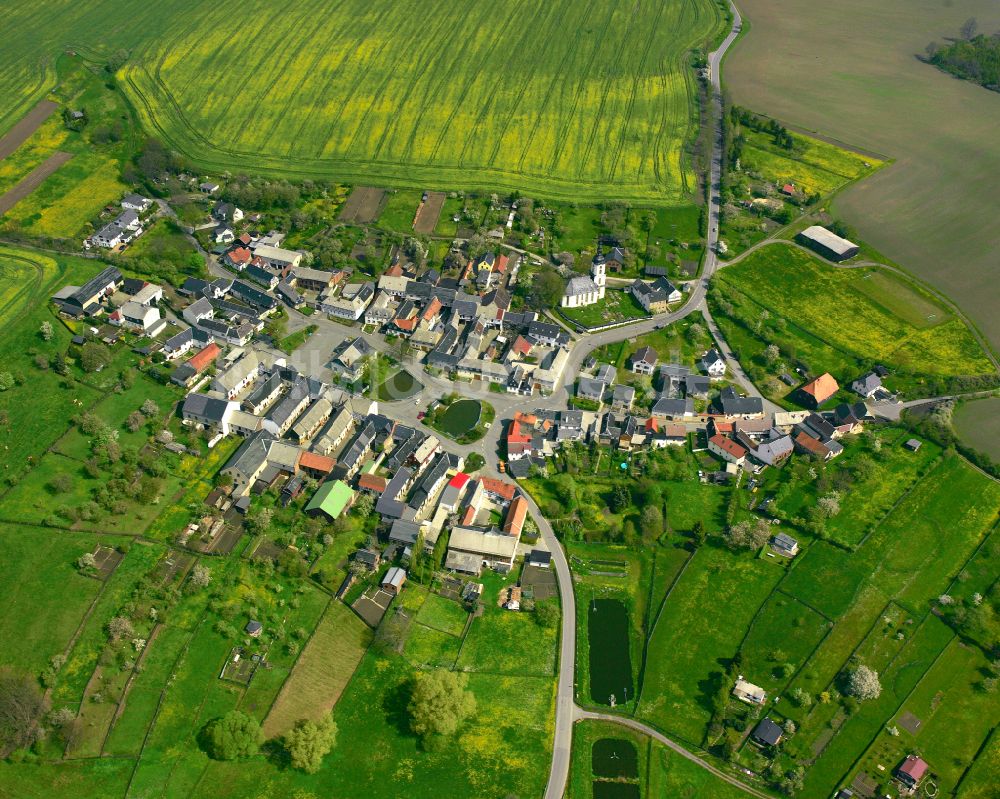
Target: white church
582, 290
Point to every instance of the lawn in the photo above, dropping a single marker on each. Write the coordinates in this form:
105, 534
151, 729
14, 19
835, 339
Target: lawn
27, 279
377, 756
400, 210
442, 614
617, 306
822, 316
401, 385
44, 594
503, 642
684, 665
429, 648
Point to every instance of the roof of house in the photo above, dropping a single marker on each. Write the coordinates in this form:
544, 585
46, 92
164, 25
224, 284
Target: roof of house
499, 487
516, 514
767, 732
822, 388
784, 541
372, 482
205, 407
316, 462
914, 767
810, 444
646, 355
395, 577
728, 445
490, 543
205, 358
333, 497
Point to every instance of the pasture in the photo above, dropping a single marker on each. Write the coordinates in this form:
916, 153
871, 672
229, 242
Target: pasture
977, 423
850, 70
559, 100
829, 319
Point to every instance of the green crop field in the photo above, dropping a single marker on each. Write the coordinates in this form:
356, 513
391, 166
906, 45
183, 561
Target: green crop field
978, 425
558, 99
850, 70
832, 320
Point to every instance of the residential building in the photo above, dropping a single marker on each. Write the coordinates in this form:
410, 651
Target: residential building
748, 692
727, 449
818, 391
714, 364
643, 361
785, 545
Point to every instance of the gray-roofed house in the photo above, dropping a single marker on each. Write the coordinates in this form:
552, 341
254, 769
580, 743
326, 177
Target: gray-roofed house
867, 385
249, 461
622, 398
785, 545
212, 412
767, 733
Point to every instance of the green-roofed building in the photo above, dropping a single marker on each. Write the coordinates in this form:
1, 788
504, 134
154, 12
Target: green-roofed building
331, 498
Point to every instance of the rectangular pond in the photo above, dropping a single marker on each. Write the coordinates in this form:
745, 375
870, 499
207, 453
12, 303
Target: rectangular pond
610, 660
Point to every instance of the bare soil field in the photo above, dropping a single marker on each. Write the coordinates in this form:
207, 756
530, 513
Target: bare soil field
429, 212
850, 70
363, 206
32, 181
27, 125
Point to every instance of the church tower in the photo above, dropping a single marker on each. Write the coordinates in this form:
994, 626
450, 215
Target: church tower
597, 272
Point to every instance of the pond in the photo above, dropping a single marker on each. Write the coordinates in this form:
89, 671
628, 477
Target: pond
616, 790
610, 660
614, 757
460, 417
400, 386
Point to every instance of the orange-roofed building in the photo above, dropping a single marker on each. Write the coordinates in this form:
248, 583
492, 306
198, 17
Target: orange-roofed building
394, 271
239, 257
501, 264
499, 489
521, 346
516, 514
205, 358
432, 310
469, 516
316, 464
819, 390
372, 482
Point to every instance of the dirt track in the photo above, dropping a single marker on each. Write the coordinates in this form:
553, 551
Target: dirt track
429, 212
32, 181
25, 126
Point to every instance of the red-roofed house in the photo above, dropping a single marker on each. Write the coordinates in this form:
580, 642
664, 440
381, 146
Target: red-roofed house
912, 771
499, 489
315, 464
727, 449
501, 264
819, 390
469, 516
239, 258
521, 346
516, 514
788, 189
519, 439
808, 445
459, 480
205, 358
432, 310
372, 482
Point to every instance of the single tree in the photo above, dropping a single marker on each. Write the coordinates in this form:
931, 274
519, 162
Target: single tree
309, 742
440, 703
201, 576
21, 707
46, 331
120, 627
7, 381
150, 408
94, 356
233, 736
863, 683
134, 421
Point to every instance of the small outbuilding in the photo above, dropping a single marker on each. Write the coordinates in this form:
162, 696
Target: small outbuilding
748, 692
785, 545
394, 580
540, 558
913, 445
254, 628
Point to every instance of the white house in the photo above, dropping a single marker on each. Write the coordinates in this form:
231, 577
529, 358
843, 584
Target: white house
713, 364
582, 290
136, 317
133, 202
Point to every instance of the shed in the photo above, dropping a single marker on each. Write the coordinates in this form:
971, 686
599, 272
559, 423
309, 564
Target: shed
913, 445
394, 579
540, 558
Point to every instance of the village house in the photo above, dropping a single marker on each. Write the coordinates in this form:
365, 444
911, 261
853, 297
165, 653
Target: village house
643, 361
713, 364
727, 449
656, 296
748, 692
818, 391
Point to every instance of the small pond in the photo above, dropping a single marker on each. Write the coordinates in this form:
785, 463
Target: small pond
614, 757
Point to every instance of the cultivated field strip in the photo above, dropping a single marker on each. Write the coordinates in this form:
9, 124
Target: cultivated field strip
556, 99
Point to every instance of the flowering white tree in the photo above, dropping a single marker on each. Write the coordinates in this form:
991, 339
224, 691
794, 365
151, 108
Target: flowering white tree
864, 684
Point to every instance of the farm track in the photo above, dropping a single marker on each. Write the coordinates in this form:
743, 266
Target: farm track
25, 126
32, 181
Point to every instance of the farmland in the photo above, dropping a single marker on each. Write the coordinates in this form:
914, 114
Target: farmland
850, 71
831, 319
978, 424
389, 93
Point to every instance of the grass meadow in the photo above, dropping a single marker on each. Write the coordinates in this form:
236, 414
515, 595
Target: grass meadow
831, 320
850, 71
557, 100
